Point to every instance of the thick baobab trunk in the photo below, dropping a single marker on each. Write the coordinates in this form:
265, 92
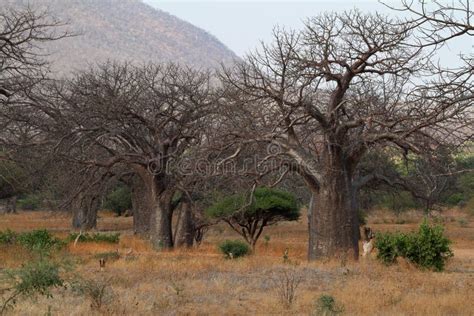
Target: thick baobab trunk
85, 214
186, 229
154, 212
142, 204
162, 232
333, 222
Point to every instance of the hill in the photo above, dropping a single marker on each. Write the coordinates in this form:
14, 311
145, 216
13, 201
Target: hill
126, 30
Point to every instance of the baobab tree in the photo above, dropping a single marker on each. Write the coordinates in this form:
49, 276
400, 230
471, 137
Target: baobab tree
22, 66
139, 119
325, 95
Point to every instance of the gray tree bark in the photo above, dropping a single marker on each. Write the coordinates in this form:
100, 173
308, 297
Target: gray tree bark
162, 231
333, 222
85, 213
142, 205
186, 229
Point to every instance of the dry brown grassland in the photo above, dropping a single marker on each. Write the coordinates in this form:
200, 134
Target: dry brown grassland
201, 282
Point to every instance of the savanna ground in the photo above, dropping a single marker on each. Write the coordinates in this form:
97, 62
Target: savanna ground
200, 281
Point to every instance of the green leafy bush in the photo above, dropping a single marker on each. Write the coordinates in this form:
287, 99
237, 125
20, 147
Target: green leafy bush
119, 200
455, 199
39, 240
234, 248
427, 248
326, 306
113, 238
36, 278
390, 246
7, 237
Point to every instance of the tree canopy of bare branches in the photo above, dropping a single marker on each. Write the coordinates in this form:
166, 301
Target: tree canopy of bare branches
144, 120
326, 94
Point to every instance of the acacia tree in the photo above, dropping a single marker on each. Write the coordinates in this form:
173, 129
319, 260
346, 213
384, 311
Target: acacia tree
327, 94
266, 207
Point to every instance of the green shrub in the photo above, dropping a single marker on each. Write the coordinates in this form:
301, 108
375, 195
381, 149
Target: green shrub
455, 199
113, 238
36, 278
326, 306
30, 202
234, 248
390, 246
427, 248
7, 237
119, 200
39, 240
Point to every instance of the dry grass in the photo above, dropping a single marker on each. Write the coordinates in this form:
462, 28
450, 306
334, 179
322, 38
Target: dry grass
200, 282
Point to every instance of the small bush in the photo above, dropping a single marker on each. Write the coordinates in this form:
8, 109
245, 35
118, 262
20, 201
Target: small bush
7, 237
97, 291
427, 248
113, 238
462, 222
30, 202
234, 248
32, 279
455, 199
390, 246
39, 240
286, 284
326, 306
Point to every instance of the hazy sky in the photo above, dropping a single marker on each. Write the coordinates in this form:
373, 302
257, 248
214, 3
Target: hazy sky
240, 25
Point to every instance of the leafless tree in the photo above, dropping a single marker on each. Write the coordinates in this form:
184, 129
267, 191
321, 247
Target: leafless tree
22, 31
438, 21
144, 120
325, 95
21, 59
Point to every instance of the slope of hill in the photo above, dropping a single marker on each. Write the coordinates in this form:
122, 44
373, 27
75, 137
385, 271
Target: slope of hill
126, 30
